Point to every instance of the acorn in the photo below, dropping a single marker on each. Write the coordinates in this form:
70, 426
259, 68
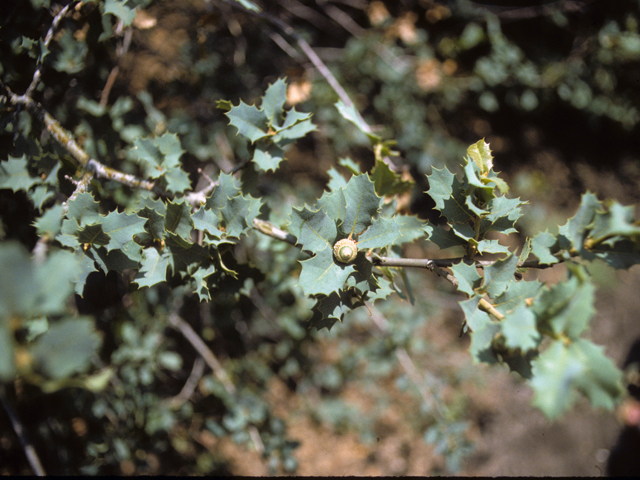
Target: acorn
345, 250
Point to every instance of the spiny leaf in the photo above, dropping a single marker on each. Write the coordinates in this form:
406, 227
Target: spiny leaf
181, 253
362, 204
516, 294
93, 235
566, 307
296, 125
50, 222
268, 156
468, 278
503, 214
483, 331
480, 153
250, 121
561, 371
332, 308
575, 230
177, 180
321, 275
386, 231
86, 265
477, 191
160, 157
362, 279
273, 101
84, 209
491, 246
238, 214
153, 268
228, 187
388, 182
519, 329
205, 220
543, 246
617, 220
155, 220
519, 362
446, 190
121, 228
314, 230
334, 202
498, 276
116, 260
442, 237
178, 219
14, 174
199, 282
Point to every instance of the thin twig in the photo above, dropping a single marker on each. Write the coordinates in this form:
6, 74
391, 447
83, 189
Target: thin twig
406, 363
314, 58
200, 197
196, 342
271, 230
47, 39
29, 450
189, 386
208, 356
124, 47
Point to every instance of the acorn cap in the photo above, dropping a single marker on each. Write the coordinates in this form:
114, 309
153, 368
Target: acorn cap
345, 250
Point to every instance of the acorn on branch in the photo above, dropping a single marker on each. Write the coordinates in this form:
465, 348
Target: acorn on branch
345, 250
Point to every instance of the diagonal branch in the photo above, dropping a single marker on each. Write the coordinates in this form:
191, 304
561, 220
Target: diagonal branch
313, 58
407, 364
210, 359
47, 39
30, 452
65, 140
207, 355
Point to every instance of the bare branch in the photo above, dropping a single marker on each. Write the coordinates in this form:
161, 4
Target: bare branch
47, 39
208, 356
273, 231
445, 262
314, 58
30, 452
205, 352
124, 47
189, 387
435, 265
70, 145
407, 364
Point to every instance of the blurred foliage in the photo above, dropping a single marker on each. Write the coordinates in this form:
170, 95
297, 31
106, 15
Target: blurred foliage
138, 83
